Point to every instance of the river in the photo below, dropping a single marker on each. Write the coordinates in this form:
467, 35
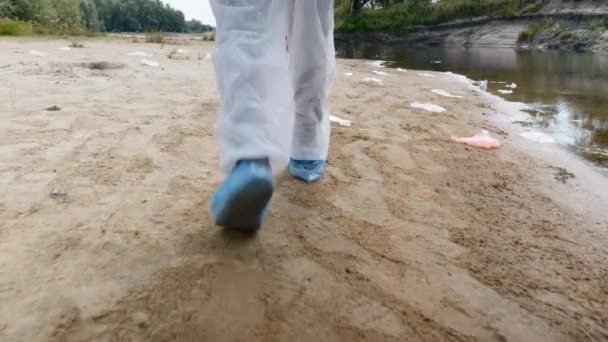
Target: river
568, 92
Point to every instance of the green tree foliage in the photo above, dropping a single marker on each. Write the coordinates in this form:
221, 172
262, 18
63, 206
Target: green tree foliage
101, 15
399, 15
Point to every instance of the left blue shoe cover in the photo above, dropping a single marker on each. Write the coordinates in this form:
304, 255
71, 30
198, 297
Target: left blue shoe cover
307, 170
240, 202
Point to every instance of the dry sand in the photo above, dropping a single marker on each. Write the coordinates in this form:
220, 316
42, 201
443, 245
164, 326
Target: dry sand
105, 233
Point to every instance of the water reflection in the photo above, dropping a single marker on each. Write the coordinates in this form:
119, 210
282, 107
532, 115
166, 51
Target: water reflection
568, 90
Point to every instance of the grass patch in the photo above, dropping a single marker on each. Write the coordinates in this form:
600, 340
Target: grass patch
101, 65
15, 28
76, 45
600, 25
536, 29
531, 8
157, 37
565, 35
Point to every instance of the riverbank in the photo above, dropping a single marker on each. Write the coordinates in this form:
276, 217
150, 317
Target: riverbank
108, 163
578, 32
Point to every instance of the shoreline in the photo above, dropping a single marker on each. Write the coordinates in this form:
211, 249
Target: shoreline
106, 233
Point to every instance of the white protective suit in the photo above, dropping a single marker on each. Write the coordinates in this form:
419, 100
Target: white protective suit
274, 59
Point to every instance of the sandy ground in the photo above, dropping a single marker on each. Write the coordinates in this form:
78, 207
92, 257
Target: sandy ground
105, 233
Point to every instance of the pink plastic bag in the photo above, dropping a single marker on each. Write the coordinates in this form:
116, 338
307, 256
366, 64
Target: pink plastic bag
481, 140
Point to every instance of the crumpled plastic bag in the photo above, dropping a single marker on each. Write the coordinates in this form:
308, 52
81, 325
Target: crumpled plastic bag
372, 82
377, 64
512, 85
340, 121
37, 53
433, 108
139, 54
445, 93
381, 73
480, 140
149, 63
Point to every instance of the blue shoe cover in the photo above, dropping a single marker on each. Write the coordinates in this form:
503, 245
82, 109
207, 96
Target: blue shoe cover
240, 202
307, 170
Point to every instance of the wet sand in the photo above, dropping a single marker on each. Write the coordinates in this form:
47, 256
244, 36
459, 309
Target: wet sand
105, 233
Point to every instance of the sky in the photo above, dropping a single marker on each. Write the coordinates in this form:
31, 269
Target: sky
194, 9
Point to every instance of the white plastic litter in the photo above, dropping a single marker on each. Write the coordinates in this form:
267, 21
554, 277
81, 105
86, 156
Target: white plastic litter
483, 85
504, 91
445, 93
433, 108
436, 62
512, 85
381, 73
340, 121
64, 48
181, 51
373, 82
538, 137
149, 63
208, 56
426, 75
480, 140
401, 70
140, 54
377, 64
37, 53
348, 74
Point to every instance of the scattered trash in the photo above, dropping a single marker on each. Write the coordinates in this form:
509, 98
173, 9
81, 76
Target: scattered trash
140, 54
538, 137
149, 63
64, 48
381, 73
53, 108
58, 195
512, 85
483, 85
102, 65
426, 75
480, 140
503, 91
436, 62
401, 70
348, 74
445, 93
340, 121
433, 108
181, 51
377, 64
37, 53
373, 82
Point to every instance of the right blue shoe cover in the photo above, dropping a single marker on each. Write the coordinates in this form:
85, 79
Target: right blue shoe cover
307, 170
240, 202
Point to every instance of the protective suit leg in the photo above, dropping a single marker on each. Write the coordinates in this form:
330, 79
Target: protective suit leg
251, 61
312, 65
256, 119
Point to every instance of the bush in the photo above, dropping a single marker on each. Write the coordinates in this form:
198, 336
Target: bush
565, 35
535, 30
600, 25
15, 28
156, 37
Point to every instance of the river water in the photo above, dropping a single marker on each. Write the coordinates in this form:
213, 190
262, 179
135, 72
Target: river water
568, 92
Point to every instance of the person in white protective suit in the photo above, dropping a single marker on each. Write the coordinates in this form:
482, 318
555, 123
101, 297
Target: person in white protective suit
275, 65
